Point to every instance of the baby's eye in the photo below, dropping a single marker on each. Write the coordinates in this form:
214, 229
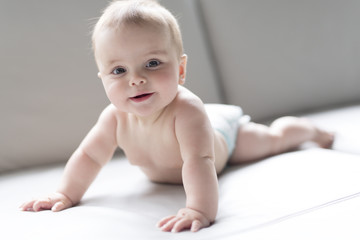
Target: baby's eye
153, 64
118, 70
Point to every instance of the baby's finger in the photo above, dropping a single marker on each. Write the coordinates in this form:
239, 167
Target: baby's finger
196, 226
27, 206
163, 221
59, 206
181, 225
43, 204
170, 224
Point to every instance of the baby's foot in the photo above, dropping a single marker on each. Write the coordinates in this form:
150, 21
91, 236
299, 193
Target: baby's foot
324, 138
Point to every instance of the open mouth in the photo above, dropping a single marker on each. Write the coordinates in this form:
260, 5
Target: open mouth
141, 97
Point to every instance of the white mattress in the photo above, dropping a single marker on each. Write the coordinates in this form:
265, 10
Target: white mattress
306, 193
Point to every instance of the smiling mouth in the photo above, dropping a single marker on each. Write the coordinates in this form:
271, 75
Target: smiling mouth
141, 97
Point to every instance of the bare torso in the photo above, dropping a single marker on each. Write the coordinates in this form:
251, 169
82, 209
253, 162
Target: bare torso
153, 145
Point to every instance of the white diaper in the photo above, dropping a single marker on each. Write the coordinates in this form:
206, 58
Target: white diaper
226, 119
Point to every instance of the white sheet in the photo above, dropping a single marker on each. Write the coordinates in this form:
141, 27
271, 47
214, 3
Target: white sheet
122, 203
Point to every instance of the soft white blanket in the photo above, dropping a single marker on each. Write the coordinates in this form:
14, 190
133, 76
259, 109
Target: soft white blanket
305, 193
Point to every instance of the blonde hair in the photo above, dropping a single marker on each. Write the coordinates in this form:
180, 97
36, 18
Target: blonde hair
141, 13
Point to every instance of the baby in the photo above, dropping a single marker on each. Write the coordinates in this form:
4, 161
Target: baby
161, 126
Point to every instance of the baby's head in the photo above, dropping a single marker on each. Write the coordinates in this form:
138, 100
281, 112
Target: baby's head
139, 13
139, 43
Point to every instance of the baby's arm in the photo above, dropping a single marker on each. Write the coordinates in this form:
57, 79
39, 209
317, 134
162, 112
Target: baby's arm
83, 166
196, 140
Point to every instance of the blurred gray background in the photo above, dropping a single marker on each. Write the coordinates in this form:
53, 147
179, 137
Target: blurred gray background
283, 57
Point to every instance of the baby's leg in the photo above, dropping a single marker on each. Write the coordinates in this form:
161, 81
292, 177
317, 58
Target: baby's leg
256, 141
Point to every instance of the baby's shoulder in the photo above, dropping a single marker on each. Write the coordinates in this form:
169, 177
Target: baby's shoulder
188, 104
187, 98
112, 115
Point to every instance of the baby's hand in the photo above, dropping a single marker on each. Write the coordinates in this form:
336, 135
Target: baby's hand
54, 202
185, 219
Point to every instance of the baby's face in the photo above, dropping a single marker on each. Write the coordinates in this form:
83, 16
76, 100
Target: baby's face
139, 68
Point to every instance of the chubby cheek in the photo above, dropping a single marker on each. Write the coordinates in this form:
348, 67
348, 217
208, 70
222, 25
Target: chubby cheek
167, 80
114, 93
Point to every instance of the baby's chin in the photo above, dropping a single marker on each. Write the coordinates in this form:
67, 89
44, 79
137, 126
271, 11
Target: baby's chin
144, 112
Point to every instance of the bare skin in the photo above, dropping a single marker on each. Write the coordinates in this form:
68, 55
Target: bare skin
163, 128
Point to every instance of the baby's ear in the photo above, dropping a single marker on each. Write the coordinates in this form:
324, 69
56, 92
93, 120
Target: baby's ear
99, 75
182, 69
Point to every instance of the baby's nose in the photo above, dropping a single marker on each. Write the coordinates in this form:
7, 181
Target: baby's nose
136, 81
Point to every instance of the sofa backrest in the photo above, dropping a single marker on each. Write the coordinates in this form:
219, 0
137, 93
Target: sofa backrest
284, 56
